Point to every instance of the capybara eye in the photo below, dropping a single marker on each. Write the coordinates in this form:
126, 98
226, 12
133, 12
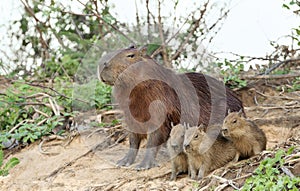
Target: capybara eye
130, 55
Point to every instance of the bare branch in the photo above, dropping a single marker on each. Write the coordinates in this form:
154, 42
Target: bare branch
194, 26
282, 76
112, 26
43, 42
279, 64
161, 34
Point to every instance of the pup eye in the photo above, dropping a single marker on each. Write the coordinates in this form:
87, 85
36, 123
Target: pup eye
234, 121
130, 55
196, 136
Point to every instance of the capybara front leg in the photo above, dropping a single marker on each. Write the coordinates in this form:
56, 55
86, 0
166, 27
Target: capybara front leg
149, 160
154, 142
129, 158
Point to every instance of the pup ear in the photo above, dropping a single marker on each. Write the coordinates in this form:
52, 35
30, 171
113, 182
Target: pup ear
240, 113
186, 126
228, 111
172, 124
202, 127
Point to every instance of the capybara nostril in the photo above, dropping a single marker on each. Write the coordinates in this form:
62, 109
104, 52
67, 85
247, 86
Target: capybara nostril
224, 130
186, 146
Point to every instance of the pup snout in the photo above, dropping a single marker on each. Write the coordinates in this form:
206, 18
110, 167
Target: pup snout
186, 146
224, 130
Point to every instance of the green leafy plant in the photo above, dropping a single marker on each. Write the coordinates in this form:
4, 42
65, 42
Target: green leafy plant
231, 72
269, 177
4, 168
26, 113
295, 85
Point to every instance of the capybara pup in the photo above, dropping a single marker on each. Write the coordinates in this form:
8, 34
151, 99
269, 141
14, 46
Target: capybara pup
206, 151
246, 136
175, 148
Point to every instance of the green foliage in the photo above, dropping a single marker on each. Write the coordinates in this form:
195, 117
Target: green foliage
4, 168
21, 105
95, 95
231, 72
102, 95
269, 177
295, 85
110, 124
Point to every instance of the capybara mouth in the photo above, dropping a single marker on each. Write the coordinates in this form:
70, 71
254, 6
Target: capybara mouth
107, 82
224, 132
187, 150
178, 150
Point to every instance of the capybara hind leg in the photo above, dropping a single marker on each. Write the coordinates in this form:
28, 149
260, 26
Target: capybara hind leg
256, 149
236, 157
129, 158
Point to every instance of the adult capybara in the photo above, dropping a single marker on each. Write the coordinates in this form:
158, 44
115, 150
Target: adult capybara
246, 136
152, 96
175, 148
205, 151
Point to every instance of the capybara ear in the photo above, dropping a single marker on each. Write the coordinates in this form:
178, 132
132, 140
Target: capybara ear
172, 124
228, 111
202, 127
185, 126
132, 46
240, 113
143, 51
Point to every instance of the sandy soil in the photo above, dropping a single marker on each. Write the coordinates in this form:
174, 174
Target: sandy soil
77, 167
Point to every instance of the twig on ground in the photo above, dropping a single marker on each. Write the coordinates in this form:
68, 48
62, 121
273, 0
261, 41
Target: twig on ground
287, 171
19, 125
47, 139
277, 97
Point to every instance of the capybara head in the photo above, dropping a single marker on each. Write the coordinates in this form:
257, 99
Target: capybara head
233, 124
193, 138
113, 64
177, 138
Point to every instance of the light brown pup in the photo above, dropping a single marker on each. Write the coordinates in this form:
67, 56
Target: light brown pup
207, 150
246, 136
175, 148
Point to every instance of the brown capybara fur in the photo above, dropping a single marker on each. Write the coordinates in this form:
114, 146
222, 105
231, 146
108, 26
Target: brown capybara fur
152, 96
175, 148
246, 136
206, 152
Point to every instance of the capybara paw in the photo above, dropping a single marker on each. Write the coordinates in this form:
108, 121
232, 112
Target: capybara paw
173, 177
144, 165
126, 161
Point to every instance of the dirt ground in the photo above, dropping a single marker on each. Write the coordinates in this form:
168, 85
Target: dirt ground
81, 166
